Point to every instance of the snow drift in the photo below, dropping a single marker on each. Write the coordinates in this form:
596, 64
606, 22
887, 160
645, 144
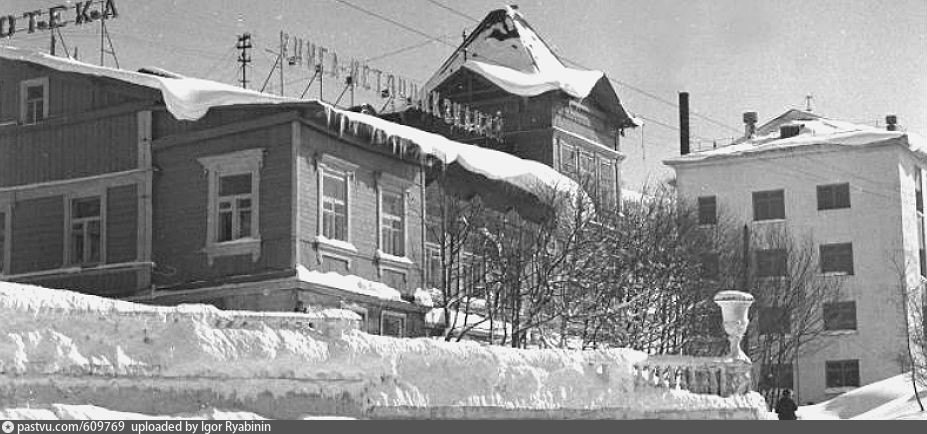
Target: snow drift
889, 399
60, 347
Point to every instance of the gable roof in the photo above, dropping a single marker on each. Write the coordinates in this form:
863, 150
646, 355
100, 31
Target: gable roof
505, 50
814, 132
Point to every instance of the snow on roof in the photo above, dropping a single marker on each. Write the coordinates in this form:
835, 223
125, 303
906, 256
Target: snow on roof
191, 98
186, 98
505, 50
349, 283
813, 130
534, 177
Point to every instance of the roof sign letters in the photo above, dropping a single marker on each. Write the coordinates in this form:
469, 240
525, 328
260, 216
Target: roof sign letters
83, 12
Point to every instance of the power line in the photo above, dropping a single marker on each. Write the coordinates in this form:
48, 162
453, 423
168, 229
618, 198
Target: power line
394, 22
619, 82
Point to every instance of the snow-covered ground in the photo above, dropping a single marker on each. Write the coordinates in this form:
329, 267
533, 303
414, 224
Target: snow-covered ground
889, 399
60, 349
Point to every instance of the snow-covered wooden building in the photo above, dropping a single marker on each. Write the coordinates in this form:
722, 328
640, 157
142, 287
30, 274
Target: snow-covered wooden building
166, 189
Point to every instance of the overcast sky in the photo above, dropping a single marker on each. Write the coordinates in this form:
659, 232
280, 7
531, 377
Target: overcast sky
860, 59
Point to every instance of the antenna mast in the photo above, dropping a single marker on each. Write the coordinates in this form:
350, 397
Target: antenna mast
244, 44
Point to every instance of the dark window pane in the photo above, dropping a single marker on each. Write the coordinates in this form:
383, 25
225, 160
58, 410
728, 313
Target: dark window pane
707, 210
842, 373
86, 207
840, 316
393, 325
837, 258
235, 184
771, 263
35, 92
833, 196
769, 205
225, 227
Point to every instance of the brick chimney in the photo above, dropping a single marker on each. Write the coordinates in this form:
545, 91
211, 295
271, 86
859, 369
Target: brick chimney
891, 123
750, 119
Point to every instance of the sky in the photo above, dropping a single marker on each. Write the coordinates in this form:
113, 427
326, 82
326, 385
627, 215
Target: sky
859, 59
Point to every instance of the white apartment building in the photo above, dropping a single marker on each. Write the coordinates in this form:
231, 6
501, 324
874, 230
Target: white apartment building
856, 192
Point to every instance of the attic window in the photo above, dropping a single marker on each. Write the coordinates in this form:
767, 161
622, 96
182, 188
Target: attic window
787, 131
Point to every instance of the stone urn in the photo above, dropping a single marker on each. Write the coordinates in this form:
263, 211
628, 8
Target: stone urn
735, 307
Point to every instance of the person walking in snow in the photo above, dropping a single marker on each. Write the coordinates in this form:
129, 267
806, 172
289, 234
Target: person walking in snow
786, 407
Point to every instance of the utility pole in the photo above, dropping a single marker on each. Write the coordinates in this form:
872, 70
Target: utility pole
283, 41
244, 58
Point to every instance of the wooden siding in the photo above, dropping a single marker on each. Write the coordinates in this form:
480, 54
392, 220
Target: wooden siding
70, 93
180, 201
39, 153
121, 223
38, 235
364, 225
110, 283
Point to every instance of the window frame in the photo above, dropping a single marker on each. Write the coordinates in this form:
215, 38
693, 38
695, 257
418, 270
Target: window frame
762, 200
383, 216
574, 151
347, 171
840, 365
831, 193
702, 204
827, 258
403, 322
24, 99
69, 221
842, 310
607, 191
249, 161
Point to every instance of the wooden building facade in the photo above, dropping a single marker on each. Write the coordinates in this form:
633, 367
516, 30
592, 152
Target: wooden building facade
104, 190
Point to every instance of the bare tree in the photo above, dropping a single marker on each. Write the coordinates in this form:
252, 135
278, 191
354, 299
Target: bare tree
912, 296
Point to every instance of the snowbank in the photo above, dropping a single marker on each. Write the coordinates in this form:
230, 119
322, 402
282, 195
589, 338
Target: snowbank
58, 345
349, 283
889, 399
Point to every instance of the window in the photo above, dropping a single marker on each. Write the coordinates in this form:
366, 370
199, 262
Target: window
236, 197
392, 223
773, 321
837, 258
395, 279
433, 266
33, 100
608, 186
834, 196
86, 231
335, 205
392, 324
707, 210
769, 205
3, 242
771, 263
710, 265
842, 373
232, 219
776, 376
568, 156
840, 316
587, 172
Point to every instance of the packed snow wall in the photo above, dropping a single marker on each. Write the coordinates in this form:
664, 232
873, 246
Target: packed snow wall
61, 347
